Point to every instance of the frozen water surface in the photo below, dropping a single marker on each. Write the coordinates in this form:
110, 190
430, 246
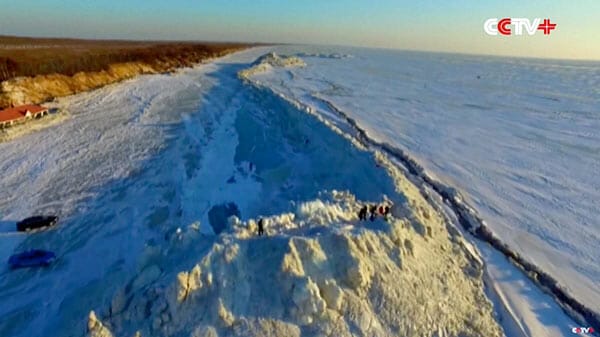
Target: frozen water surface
519, 138
138, 163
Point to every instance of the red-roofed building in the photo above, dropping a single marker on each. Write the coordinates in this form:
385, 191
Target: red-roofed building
20, 114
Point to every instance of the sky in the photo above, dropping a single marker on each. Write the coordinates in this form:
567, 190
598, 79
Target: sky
434, 25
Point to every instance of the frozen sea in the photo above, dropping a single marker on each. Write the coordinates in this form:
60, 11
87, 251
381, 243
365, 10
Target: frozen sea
135, 161
519, 138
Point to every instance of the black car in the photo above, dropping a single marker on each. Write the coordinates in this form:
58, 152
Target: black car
36, 222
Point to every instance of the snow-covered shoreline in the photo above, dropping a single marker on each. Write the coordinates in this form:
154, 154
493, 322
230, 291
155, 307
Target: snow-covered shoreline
303, 167
98, 171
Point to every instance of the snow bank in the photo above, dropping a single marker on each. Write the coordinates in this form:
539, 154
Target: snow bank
270, 61
96, 328
320, 272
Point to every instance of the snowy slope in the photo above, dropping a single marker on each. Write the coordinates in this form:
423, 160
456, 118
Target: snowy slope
319, 271
144, 172
518, 137
535, 313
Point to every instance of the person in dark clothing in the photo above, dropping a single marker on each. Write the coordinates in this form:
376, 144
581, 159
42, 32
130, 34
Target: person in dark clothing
386, 212
373, 210
362, 214
261, 226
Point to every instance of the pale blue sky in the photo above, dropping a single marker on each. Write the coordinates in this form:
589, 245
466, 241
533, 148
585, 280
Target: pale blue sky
438, 25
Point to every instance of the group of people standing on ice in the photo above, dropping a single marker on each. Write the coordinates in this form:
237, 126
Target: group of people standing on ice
373, 211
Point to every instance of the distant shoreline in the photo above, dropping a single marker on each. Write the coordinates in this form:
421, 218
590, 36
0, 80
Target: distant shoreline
34, 71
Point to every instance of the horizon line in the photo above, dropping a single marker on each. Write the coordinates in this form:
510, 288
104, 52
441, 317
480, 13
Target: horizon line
271, 43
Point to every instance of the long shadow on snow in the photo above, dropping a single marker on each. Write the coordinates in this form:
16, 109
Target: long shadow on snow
297, 156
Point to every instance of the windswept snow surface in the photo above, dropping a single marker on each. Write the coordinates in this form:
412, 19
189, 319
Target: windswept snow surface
517, 137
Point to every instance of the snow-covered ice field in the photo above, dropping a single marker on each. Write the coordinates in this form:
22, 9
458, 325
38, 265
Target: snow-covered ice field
519, 138
140, 169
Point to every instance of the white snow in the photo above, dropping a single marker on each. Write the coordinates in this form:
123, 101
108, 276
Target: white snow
268, 62
114, 171
322, 272
516, 137
318, 270
143, 173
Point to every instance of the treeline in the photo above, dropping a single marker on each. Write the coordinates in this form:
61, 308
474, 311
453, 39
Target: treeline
69, 60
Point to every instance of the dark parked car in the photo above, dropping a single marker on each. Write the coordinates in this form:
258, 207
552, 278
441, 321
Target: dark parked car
36, 222
32, 258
